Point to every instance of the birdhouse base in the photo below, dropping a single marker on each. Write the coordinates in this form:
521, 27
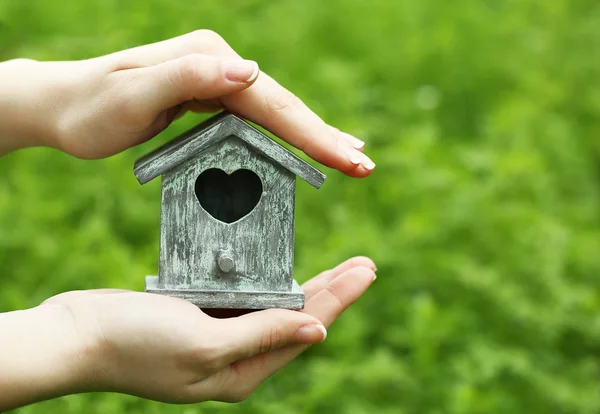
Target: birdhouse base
229, 299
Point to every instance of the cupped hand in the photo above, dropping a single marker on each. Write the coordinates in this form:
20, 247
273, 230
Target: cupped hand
98, 107
167, 349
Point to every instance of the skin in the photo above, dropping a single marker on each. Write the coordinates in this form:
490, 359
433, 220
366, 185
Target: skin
141, 344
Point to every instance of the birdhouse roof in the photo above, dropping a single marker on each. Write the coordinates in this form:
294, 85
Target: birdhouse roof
211, 132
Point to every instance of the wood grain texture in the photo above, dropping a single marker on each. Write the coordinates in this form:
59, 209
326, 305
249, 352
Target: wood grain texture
261, 243
293, 299
209, 133
219, 260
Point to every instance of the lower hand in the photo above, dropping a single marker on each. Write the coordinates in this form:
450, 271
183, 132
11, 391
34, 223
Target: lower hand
167, 349
98, 107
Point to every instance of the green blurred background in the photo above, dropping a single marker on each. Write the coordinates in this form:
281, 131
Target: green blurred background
483, 213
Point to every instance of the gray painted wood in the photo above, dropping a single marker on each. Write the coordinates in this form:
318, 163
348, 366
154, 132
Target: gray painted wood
209, 133
233, 299
246, 263
261, 243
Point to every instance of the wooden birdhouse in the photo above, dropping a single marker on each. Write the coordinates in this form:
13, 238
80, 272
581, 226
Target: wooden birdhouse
227, 216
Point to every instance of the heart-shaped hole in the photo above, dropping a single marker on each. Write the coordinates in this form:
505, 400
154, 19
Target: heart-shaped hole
226, 197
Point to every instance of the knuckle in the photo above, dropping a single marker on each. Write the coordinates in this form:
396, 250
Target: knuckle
209, 358
185, 72
206, 37
188, 74
336, 296
281, 101
271, 339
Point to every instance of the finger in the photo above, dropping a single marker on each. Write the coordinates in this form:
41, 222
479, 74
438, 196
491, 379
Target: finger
266, 103
326, 305
353, 141
319, 282
200, 41
189, 78
278, 110
258, 332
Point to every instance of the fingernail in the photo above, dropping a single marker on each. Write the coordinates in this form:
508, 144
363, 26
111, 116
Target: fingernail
367, 163
353, 155
374, 277
355, 142
240, 70
312, 333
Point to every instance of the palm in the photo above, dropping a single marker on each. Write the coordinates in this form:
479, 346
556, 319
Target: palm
169, 350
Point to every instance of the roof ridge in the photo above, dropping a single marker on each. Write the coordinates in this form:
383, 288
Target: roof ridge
209, 133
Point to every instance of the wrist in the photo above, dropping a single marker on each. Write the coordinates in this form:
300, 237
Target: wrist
28, 105
80, 347
42, 356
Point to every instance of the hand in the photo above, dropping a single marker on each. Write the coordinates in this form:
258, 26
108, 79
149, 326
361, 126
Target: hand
164, 348
99, 107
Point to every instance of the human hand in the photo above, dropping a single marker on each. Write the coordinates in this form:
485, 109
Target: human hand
98, 107
167, 349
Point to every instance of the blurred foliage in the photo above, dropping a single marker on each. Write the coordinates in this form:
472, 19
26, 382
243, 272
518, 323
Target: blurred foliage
483, 213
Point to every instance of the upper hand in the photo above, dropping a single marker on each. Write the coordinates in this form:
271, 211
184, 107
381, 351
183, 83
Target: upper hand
167, 349
99, 107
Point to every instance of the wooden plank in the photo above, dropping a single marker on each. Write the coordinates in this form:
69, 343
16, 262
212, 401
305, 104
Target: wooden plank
233, 299
180, 149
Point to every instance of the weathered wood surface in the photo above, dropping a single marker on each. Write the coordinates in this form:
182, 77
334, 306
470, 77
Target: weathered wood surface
232, 299
209, 133
261, 244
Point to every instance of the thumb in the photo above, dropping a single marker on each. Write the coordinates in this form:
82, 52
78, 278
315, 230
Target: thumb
191, 77
264, 331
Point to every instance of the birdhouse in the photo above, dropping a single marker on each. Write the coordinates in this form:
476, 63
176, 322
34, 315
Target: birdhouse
227, 216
